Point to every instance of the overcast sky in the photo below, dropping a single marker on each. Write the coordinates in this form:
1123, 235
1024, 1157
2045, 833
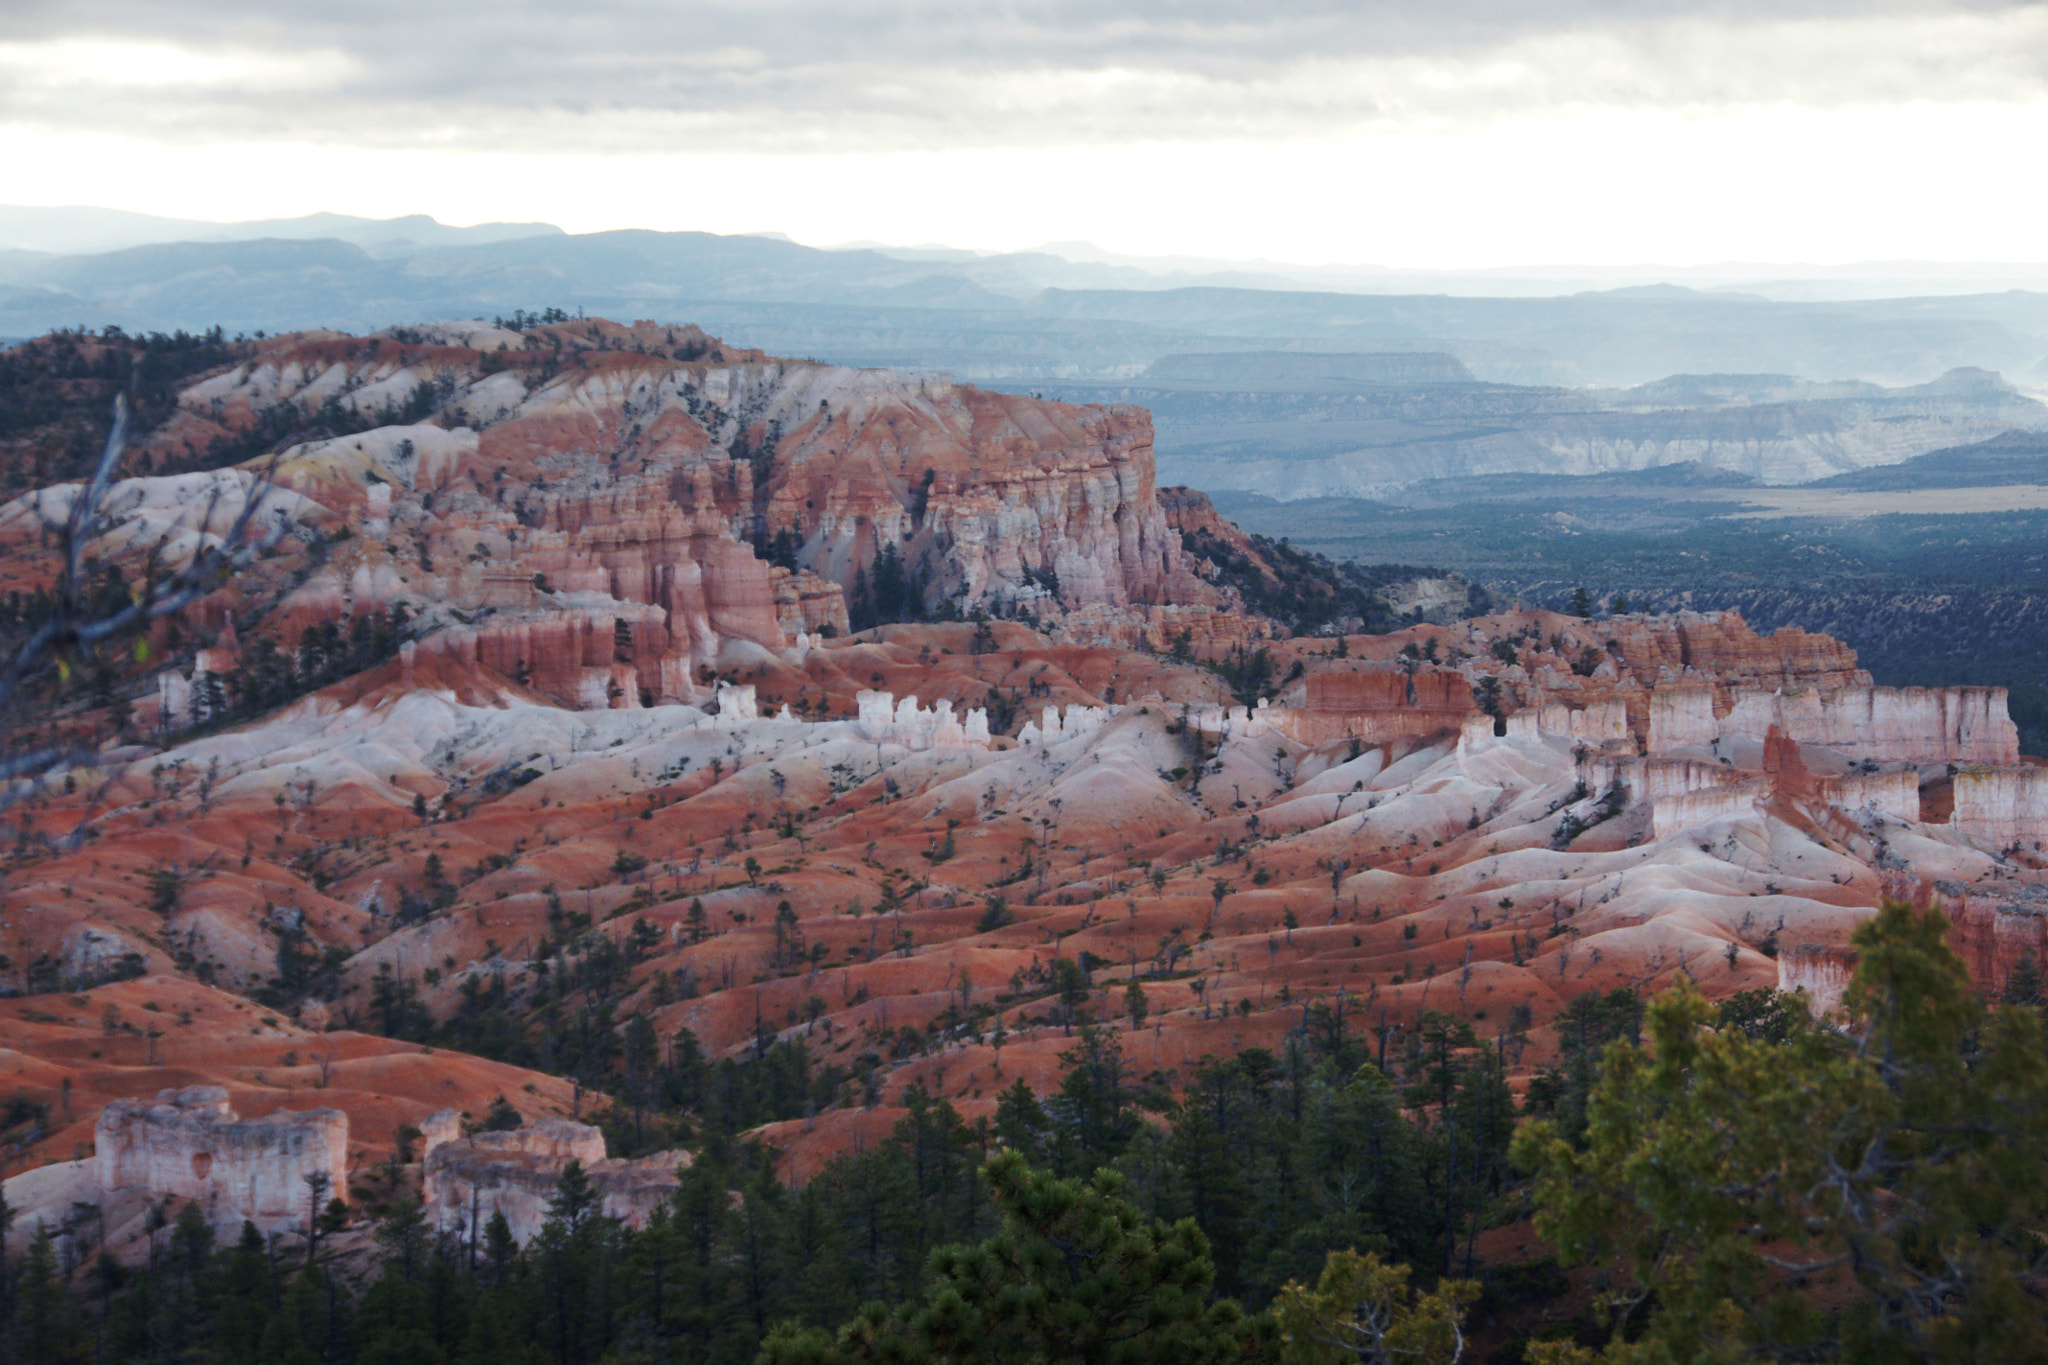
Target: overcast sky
1447, 133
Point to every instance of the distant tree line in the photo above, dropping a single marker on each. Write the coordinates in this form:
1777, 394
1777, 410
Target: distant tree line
56, 393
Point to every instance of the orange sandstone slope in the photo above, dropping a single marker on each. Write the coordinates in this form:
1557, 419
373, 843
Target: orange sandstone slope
1239, 864
617, 734
75, 1051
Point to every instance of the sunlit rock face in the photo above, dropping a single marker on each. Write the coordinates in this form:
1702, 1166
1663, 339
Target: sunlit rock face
189, 1144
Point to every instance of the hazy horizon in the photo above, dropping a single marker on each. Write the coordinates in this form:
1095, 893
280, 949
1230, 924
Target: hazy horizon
1464, 137
82, 229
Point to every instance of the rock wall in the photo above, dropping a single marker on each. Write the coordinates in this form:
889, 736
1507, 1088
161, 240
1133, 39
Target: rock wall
650, 481
1895, 796
1992, 927
1685, 792
1079, 722
1822, 971
1208, 632
806, 604
1912, 725
1693, 810
1376, 705
470, 1178
1999, 808
1600, 722
737, 703
574, 654
1190, 512
1682, 717
189, 1144
1653, 779
1050, 486
1889, 725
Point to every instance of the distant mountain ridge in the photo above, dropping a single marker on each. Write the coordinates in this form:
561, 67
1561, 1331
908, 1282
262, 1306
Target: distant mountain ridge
1013, 318
2016, 457
1292, 370
1248, 428
73, 230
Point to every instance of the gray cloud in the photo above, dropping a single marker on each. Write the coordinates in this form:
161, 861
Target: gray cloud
801, 75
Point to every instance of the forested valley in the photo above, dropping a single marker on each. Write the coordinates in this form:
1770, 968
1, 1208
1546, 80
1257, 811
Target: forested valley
1713, 1182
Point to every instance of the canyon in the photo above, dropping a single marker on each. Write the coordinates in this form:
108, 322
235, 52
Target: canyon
1297, 426
621, 749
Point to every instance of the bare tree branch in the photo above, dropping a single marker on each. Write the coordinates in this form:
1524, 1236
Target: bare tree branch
75, 627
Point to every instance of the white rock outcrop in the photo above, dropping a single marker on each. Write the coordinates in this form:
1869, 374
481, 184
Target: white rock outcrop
469, 1179
737, 704
1999, 808
191, 1145
1915, 725
884, 720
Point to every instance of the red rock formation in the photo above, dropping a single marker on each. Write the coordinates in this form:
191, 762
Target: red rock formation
1366, 836
1189, 511
1786, 768
1191, 515
647, 466
1192, 632
1993, 927
1719, 646
1375, 705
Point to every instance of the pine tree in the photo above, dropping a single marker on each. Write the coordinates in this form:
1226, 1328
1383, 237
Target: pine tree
1903, 1160
45, 1327
2023, 983
1073, 1273
404, 1237
1362, 1309
575, 1197
501, 1251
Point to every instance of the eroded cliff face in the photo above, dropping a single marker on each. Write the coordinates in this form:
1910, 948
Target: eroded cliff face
1376, 704
1995, 922
1921, 726
2002, 808
1720, 647
471, 1178
190, 1145
618, 463
610, 509
995, 497
1820, 971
